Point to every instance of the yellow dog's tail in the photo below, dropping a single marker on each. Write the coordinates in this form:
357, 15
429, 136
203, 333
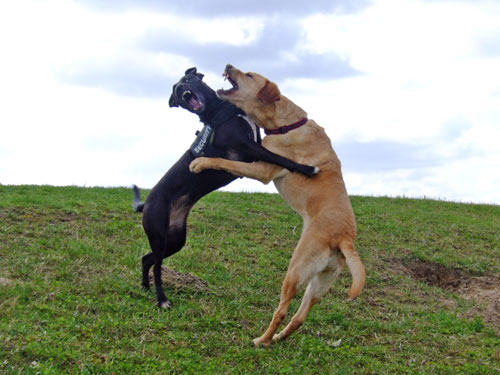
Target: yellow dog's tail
355, 266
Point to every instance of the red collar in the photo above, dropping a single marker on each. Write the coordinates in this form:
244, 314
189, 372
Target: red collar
285, 129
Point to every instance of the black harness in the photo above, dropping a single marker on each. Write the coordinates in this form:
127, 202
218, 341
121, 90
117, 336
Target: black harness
206, 136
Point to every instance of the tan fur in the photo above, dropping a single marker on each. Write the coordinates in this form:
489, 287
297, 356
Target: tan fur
269, 93
327, 241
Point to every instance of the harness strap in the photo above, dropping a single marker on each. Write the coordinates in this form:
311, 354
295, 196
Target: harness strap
204, 137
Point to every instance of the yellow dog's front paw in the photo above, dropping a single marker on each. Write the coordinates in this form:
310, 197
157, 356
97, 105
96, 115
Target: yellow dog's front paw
261, 341
198, 165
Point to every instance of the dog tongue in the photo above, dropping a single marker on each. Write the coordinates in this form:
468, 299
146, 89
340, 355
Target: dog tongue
194, 103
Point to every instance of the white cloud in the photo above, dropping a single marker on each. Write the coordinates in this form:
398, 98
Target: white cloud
429, 82
424, 79
420, 64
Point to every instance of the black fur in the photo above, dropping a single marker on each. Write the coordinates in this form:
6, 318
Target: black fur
166, 208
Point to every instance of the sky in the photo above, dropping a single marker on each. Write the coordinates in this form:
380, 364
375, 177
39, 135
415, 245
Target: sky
407, 90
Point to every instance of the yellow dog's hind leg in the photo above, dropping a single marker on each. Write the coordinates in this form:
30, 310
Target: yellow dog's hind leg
318, 287
309, 259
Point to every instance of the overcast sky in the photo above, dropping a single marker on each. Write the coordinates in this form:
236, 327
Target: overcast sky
407, 90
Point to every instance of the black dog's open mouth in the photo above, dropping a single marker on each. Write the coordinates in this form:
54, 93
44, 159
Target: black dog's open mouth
192, 100
231, 81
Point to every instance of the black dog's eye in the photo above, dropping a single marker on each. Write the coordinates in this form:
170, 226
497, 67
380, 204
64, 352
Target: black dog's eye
249, 75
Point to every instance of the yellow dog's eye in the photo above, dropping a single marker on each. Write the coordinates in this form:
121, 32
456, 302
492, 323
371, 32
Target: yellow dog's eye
249, 75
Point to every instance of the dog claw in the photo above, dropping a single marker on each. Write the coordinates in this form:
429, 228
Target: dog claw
193, 167
197, 165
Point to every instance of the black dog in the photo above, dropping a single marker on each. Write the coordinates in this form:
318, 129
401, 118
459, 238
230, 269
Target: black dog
226, 134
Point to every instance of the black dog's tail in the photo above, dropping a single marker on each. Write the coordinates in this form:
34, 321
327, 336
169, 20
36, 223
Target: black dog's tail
137, 204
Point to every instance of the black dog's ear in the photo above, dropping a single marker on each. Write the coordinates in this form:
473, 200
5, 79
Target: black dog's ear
172, 102
193, 71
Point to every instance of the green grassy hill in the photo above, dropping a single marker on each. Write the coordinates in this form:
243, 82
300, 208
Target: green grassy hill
71, 302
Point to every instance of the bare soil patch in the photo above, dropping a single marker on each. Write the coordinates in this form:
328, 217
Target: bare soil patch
484, 290
435, 274
5, 281
182, 282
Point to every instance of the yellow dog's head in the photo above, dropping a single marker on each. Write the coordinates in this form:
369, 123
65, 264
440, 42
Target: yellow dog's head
250, 90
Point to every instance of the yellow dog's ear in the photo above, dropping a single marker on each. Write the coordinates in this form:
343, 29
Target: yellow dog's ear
270, 93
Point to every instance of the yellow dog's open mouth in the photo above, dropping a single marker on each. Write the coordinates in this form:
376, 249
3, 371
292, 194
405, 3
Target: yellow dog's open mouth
233, 83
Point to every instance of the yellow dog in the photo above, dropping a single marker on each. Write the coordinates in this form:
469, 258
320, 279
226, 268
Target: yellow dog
329, 229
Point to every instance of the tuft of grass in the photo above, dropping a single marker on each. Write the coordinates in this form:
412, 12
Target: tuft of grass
71, 302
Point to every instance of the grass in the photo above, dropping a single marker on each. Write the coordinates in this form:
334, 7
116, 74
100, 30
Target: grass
71, 302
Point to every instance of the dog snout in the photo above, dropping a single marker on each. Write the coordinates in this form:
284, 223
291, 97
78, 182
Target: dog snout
228, 68
172, 102
177, 94
179, 90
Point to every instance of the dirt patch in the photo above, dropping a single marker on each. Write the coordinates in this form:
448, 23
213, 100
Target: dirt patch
484, 290
182, 282
435, 274
4, 281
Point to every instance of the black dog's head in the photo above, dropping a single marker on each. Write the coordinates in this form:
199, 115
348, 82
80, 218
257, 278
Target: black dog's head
191, 93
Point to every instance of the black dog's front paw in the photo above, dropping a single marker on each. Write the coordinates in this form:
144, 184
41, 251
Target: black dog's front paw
309, 171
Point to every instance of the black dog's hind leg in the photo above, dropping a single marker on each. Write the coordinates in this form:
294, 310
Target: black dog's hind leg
147, 262
163, 302
174, 241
